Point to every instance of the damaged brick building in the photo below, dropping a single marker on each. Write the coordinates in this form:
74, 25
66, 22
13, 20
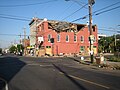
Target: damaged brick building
58, 37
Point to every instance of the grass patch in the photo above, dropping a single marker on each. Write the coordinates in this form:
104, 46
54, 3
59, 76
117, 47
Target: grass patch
114, 59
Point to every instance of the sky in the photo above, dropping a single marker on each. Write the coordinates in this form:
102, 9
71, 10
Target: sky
15, 15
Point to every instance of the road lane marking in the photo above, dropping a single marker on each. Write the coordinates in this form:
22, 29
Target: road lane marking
33, 64
45, 65
100, 85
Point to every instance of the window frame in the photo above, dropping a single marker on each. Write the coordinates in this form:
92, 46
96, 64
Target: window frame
82, 39
75, 38
58, 37
67, 38
49, 37
82, 48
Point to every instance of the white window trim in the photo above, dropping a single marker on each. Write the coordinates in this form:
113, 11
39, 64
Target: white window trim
76, 38
83, 39
50, 37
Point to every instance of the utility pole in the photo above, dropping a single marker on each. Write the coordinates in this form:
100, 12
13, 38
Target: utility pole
20, 42
36, 43
24, 40
24, 29
90, 3
20, 39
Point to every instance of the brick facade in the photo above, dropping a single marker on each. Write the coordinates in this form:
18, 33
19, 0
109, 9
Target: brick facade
65, 41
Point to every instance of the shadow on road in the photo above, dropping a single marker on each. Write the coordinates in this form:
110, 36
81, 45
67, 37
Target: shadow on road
70, 78
9, 67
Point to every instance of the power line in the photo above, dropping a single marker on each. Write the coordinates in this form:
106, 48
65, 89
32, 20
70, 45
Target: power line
102, 29
107, 10
80, 3
74, 12
10, 35
21, 5
65, 10
84, 17
14, 16
106, 7
15, 35
21, 19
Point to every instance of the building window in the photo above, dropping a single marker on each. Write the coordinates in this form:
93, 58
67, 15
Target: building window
82, 48
94, 39
58, 37
94, 46
93, 28
67, 38
49, 37
75, 38
82, 38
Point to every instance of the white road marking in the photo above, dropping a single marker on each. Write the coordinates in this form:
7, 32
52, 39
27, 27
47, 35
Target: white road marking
100, 85
34, 64
45, 65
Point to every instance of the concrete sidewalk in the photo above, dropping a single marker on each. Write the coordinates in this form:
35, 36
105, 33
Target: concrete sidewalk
107, 64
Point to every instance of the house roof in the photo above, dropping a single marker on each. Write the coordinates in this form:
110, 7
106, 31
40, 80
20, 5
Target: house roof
34, 19
61, 25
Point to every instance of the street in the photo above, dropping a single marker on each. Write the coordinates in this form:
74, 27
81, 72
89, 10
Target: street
54, 73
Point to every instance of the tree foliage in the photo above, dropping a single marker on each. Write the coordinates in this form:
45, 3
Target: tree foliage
13, 49
20, 47
107, 44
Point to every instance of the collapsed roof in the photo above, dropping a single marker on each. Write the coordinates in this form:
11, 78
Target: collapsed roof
65, 26
61, 26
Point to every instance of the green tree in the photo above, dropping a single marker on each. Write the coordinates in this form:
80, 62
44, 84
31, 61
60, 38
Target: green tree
118, 42
13, 49
20, 47
101, 44
106, 44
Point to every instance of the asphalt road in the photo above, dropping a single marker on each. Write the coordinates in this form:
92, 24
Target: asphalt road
54, 73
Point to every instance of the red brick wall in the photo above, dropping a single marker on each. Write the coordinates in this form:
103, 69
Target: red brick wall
63, 46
